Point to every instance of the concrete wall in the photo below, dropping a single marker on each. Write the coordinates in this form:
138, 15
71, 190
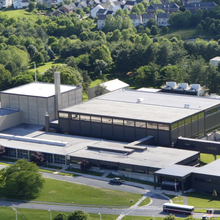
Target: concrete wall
10, 120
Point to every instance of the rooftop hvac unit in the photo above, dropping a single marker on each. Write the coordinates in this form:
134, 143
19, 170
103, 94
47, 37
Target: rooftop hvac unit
182, 86
195, 87
140, 99
171, 84
186, 105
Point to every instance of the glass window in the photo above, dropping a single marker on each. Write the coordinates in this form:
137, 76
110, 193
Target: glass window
188, 120
129, 123
63, 115
95, 119
152, 125
174, 126
107, 120
140, 124
117, 121
201, 115
163, 127
181, 123
75, 117
213, 111
194, 118
84, 117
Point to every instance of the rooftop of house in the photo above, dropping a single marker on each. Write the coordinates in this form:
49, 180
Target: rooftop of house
148, 16
201, 4
134, 16
163, 15
163, 6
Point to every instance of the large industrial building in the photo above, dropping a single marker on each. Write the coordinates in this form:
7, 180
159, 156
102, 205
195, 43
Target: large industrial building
148, 123
127, 115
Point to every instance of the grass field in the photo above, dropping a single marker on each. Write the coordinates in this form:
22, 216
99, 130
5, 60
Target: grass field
187, 33
43, 67
145, 202
207, 158
20, 13
65, 192
32, 214
203, 200
176, 199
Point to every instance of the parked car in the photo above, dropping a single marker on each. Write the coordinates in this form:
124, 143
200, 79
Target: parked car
116, 180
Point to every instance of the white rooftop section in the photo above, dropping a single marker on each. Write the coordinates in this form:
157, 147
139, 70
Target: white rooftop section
211, 169
114, 85
216, 59
38, 89
143, 89
156, 106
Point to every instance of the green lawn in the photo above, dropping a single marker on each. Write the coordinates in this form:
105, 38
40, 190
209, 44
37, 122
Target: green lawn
207, 158
65, 192
43, 67
176, 199
145, 202
20, 13
33, 214
202, 200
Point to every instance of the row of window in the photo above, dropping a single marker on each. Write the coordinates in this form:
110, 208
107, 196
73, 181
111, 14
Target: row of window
187, 120
130, 123
207, 180
212, 111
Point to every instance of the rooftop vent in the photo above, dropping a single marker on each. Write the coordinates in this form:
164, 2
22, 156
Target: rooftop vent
195, 87
140, 99
182, 86
171, 84
186, 105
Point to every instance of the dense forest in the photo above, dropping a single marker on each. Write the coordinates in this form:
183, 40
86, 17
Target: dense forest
118, 49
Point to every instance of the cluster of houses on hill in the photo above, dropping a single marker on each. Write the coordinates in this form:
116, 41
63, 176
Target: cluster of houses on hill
137, 20
17, 4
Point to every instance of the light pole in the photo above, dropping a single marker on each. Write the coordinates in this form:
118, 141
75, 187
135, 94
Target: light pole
15, 213
100, 216
50, 214
153, 217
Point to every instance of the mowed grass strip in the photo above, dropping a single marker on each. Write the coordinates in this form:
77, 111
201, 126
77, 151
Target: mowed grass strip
207, 158
203, 200
65, 192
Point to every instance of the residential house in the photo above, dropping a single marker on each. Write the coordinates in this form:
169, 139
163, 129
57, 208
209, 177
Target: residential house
135, 19
93, 12
110, 7
82, 5
162, 19
101, 21
101, 12
166, 7
18, 4
186, 2
193, 7
57, 13
5, 3
129, 5
146, 17
68, 9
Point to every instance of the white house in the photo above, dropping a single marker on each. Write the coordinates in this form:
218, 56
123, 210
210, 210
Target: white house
17, 4
5, 3
215, 61
162, 19
146, 17
109, 86
135, 19
101, 21
94, 11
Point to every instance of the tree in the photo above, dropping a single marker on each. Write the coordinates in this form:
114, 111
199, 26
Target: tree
31, 6
170, 217
2, 150
165, 30
100, 90
11, 66
37, 157
31, 50
61, 216
38, 57
85, 165
154, 30
100, 65
78, 215
21, 180
151, 22
86, 10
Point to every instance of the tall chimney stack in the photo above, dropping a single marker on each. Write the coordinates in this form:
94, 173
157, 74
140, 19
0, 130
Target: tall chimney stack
57, 92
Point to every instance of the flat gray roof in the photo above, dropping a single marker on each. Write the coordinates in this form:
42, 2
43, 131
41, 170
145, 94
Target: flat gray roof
176, 170
4, 111
160, 107
211, 169
156, 157
38, 89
